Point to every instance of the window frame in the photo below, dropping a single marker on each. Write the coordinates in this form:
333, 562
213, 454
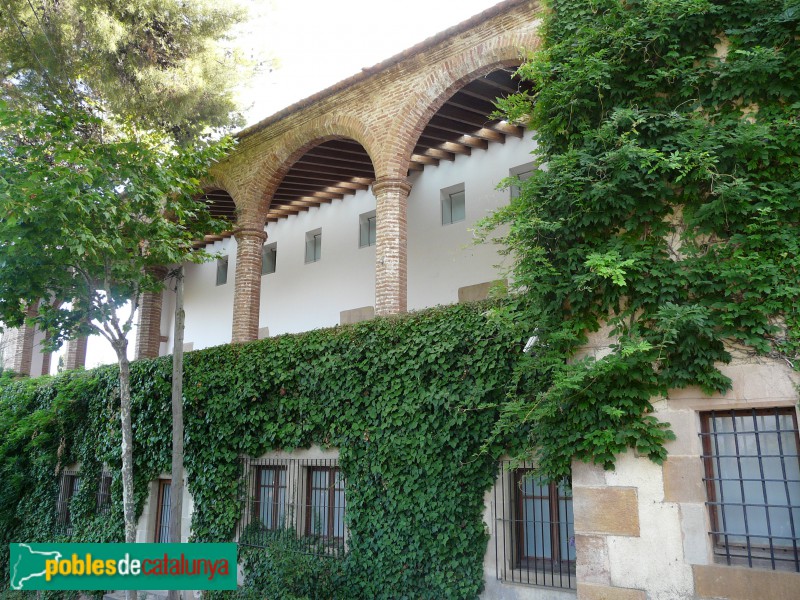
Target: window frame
774, 556
222, 271
523, 173
447, 204
315, 238
267, 250
370, 220
161, 529
333, 472
554, 502
276, 487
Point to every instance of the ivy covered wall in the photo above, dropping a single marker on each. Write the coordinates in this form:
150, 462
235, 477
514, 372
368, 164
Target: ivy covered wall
409, 402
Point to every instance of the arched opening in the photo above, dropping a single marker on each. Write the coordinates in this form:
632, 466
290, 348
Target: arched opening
326, 172
464, 121
221, 206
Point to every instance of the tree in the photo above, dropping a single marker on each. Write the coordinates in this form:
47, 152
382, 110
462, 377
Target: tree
98, 168
159, 63
669, 209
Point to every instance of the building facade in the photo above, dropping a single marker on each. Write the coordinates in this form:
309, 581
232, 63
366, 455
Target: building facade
360, 201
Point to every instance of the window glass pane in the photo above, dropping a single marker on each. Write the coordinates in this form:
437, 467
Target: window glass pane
447, 213
268, 259
373, 230
222, 270
754, 469
457, 207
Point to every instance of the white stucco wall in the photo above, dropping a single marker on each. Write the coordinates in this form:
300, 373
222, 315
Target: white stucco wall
299, 296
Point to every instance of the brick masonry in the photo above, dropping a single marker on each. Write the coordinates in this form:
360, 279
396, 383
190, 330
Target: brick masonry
148, 336
385, 109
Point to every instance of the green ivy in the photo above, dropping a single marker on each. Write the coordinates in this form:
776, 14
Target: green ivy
669, 208
411, 404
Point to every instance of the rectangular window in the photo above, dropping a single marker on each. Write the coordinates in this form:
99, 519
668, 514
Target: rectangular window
162, 511
453, 205
269, 258
325, 508
69, 486
366, 229
222, 270
313, 246
752, 476
534, 531
104, 494
303, 496
270, 500
522, 172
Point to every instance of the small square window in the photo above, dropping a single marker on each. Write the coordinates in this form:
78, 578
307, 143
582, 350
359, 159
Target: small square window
222, 270
523, 173
269, 258
453, 205
366, 229
313, 246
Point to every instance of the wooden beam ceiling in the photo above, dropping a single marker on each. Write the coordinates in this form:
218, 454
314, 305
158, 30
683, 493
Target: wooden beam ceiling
338, 168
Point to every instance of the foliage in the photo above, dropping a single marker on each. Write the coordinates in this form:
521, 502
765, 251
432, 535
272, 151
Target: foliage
285, 570
160, 63
82, 216
669, 208
409, 402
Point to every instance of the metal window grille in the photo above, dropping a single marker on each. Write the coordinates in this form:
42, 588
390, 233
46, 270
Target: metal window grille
534, 531
69, 485
162, 511
752, 479
104, 494
302, 498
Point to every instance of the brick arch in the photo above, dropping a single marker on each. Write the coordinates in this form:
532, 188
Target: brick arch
445, 80
291, 146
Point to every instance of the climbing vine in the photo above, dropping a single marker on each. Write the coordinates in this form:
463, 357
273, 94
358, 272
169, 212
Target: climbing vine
409, 402
667, 206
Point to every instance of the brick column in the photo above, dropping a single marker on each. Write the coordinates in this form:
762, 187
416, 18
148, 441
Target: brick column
75, 355
391, 245
18, 351
247, 290
148, 335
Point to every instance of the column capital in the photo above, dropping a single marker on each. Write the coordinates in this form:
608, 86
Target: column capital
400, 184
249, 232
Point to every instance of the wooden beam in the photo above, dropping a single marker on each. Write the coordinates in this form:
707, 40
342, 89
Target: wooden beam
491, 135
424, 160
415, 166
473, 142
456, 148
507, 128
440, 154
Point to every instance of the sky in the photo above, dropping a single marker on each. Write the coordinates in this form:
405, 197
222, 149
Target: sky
300, 47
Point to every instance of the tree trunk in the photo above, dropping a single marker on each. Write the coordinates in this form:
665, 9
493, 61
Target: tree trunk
176, 506
128, 501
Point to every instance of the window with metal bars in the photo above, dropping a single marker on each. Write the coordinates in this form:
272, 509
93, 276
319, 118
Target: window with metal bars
302, 498
69, 485
162, 511
534, 531
104, 494
752, 480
